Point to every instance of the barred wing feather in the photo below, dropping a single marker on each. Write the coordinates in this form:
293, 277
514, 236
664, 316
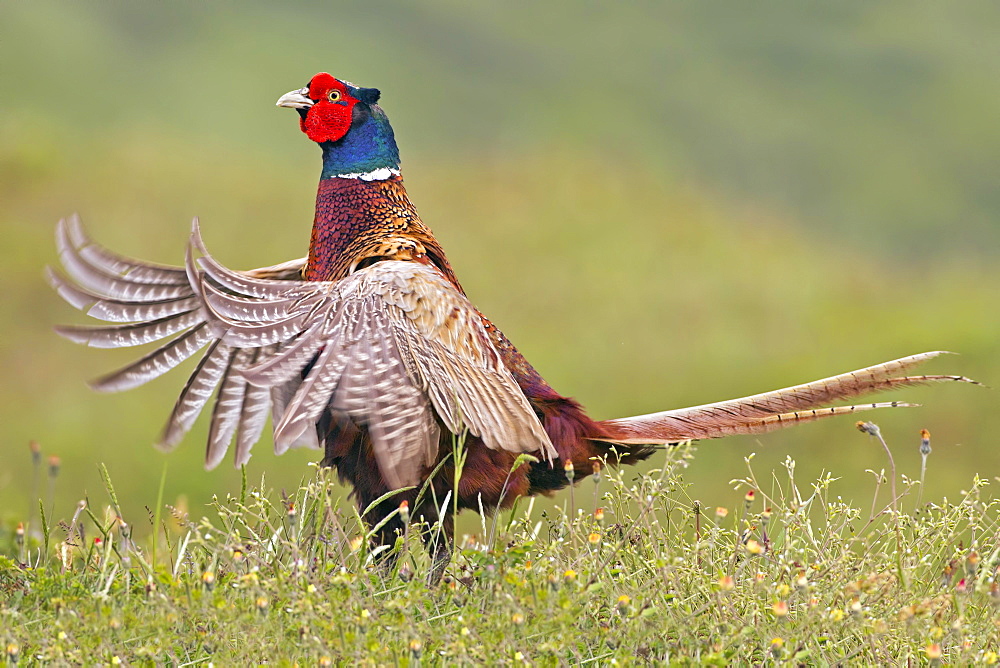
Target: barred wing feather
394, 346
157, 303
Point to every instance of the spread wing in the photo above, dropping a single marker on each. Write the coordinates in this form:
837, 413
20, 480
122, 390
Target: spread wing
394, 346
157, 303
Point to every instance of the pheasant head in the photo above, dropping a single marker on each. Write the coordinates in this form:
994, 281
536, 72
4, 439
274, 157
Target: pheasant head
350, 127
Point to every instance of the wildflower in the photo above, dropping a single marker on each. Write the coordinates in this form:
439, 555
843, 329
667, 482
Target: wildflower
776, 646
869, 428
933, 650
837, 615
594, 539
925, 442
36, 453
325, 661
599, 515
754, 548
721, 512
115, 623
365, 613
961, 587
568, 468
597, 472
569, 575
54, 464
624, 604
465, 631
292, 512
783, 590
116, 660
748, 498
262, 603
726, 583
855, 607
780, 608
879, 626
356, 543
415, 647
972, 564
238, 555
13, 650
404, 511
990, 658
801, 582
517, 619
208, 579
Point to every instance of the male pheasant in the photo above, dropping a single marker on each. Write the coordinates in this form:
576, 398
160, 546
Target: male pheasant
370, 349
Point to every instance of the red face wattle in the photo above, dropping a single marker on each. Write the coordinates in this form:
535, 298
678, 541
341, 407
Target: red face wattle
329, 118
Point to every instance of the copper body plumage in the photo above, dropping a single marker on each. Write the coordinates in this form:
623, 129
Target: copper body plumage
369, 349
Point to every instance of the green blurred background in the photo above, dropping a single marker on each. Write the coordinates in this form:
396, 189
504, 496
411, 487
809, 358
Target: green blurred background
662, 204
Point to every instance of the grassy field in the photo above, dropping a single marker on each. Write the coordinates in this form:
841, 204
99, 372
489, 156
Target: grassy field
626, 570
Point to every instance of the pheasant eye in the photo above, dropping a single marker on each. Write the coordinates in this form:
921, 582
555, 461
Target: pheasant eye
333, 95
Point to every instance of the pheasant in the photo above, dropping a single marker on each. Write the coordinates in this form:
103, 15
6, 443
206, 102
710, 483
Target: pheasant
370, 349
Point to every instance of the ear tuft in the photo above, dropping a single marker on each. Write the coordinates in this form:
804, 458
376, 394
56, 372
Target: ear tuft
369, 95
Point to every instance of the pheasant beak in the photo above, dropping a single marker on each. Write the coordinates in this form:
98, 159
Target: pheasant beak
296, 99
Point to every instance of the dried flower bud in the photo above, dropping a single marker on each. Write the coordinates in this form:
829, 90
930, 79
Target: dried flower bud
780, 608
727, 583
54, 463
404, 511
748, 497
568, 468
721, 512
599, 514
36, 453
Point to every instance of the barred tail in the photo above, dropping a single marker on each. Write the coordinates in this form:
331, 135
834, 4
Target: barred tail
772, 410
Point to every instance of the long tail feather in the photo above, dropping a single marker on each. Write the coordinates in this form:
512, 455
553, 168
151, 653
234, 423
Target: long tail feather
771, 410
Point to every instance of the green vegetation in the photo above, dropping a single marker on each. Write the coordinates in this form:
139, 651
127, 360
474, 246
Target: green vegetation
626, 570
